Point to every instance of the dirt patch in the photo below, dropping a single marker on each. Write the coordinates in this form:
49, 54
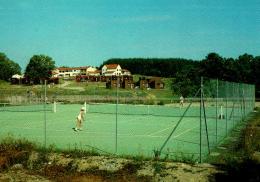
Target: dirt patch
21, 175
59, 167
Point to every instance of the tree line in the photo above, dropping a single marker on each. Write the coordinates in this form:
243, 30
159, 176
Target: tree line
186, 73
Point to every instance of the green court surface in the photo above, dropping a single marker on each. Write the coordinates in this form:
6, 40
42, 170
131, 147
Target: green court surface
135, 130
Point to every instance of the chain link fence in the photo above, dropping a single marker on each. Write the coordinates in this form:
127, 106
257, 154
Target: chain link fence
128, 122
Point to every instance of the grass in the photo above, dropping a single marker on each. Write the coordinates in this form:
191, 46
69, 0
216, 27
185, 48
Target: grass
14, 152
9, 142
96, 89
158, 167
237, 160
184, 158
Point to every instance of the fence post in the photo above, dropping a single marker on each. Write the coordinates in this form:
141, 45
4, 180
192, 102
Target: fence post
201, 87
45, 124
217, 112
117, 84
226, 94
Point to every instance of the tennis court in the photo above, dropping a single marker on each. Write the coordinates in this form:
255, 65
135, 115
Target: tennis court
135, 130
131, 129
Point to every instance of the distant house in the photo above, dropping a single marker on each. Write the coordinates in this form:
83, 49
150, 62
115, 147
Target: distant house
55, 73
153, 82
94, 73
156, 83
17, 76
121, 81
142, 83
126, 72
112, 70
113, 82
21, 79
17, 79
127, 82
67, 72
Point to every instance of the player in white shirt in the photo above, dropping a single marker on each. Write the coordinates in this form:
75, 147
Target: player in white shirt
181, 101
80, 119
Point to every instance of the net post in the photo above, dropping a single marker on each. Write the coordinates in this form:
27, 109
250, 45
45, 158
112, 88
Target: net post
216, 130
54, 107
201, 87
85, 107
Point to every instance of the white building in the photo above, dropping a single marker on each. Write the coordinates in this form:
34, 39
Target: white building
111, 70
16, 76
66, 72
126, 72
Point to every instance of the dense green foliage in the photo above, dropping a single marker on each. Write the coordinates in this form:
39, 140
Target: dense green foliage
187, 73
154, 66
39, 67
8, 67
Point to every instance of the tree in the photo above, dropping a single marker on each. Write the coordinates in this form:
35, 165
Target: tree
212, 66
229, 72
39, 68
8, 67
186, 82
255, 67
243, 64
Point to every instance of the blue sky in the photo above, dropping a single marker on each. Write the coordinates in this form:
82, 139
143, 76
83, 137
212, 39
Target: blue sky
88, 32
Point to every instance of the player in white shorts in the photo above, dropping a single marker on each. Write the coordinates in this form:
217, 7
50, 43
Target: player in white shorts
80, 119
181, 101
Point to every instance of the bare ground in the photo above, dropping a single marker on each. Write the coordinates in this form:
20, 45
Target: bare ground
59, 167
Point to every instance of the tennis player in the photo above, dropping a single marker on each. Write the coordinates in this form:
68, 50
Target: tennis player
80, 119
181, 101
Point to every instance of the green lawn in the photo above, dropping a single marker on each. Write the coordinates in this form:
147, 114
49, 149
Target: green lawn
71, 87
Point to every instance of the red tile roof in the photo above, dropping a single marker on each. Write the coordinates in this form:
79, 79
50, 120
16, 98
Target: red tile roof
111, 66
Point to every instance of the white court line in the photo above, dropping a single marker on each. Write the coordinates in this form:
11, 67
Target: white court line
176, 136
172, 127
151, 134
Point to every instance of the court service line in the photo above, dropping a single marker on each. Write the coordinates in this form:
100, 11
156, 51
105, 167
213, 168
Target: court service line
169, 128
153, 133
176, 136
